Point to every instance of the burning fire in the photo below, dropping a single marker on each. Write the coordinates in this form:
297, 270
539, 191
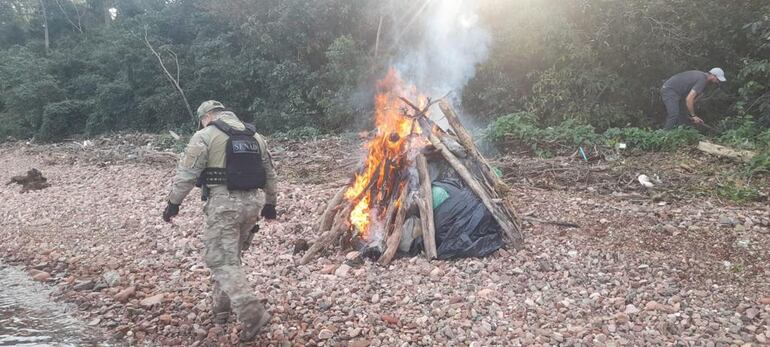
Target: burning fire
377, 182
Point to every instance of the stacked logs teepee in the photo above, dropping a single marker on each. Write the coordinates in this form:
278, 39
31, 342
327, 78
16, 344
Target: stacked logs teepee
403, 192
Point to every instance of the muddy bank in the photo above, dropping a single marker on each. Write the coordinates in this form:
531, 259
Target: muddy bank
640, 270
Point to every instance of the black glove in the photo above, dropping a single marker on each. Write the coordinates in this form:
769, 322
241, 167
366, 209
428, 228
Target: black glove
269, 211
170, 212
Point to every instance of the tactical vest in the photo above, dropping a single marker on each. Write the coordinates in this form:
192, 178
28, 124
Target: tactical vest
243, 160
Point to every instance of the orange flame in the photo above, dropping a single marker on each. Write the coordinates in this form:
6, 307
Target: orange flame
375, 184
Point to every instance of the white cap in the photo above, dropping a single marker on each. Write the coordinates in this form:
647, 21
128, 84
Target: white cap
719, 73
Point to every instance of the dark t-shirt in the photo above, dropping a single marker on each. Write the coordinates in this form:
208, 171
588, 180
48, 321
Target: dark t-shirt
683, 82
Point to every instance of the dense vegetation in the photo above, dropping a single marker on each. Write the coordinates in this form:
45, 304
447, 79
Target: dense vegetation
312, 64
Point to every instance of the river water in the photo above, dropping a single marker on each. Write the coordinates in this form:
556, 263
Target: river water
29, 317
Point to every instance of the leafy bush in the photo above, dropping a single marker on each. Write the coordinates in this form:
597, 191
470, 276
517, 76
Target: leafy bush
63, 119
582, 95
753, 90
113, 109
738, 191
741, 132
744, 132
759, 164
517, 125
522, 127
654, 140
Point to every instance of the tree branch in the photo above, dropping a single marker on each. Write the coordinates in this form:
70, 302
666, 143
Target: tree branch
66, 16
170, 77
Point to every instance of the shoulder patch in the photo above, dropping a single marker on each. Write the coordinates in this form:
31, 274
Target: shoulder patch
191, 155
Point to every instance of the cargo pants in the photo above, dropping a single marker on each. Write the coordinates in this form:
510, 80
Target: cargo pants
230, 216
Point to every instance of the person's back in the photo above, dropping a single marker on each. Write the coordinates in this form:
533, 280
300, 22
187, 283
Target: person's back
683, 82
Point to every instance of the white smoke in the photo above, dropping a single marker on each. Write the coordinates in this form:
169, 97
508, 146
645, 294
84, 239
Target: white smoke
453, 41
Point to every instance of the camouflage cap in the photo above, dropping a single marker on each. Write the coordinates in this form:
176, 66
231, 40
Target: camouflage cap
208, 106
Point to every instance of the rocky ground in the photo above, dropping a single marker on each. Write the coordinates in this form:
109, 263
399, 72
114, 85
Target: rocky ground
671, 265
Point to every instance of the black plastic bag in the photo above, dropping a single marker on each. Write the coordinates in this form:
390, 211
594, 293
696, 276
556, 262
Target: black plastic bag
464, 226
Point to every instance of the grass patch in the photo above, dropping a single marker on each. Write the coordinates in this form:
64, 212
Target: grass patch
738, 191
521, 130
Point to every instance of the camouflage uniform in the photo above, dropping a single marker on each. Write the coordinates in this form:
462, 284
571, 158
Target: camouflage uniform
230, 215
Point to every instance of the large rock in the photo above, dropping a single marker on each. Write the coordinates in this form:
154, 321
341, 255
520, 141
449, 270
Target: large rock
165, 318
486, 293
42, 276
359, 343
328, 269
631, 309
152, 300
325, 334
343, 270
390, 319
111, 278
84, 285
125, 294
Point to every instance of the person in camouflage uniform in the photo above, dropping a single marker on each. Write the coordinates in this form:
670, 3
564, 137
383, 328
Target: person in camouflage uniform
230, 216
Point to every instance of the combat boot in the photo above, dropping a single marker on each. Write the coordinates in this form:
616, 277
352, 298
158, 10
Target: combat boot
253, 319
221, 306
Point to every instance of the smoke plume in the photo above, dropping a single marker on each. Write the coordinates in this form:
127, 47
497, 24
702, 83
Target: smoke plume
452, 41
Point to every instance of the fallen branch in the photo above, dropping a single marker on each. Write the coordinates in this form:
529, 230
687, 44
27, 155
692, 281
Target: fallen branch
722, 151
556, 223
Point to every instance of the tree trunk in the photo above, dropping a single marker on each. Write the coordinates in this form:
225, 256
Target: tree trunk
107, 14
45, 26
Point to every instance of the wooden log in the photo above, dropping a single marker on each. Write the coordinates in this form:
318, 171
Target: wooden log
394, 239
426, 211
332, 207
424, 218
466, 140
722, 151
339, 227
500, 211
